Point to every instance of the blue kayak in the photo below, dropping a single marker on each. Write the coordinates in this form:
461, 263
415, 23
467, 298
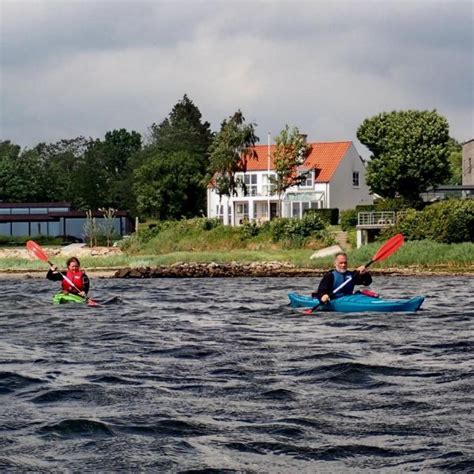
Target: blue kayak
357, 303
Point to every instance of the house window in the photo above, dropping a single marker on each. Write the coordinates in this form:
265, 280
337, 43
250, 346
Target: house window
355, 179
20, 210
307, 181
298, 208
242, 212
39, 210
250, 181
295, 209
267, 187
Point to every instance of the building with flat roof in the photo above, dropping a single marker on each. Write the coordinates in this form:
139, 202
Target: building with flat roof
54, 219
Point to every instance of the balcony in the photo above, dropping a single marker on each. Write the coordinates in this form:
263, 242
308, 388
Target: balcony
375, 220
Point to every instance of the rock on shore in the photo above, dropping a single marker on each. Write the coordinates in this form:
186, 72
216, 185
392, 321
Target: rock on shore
209, 270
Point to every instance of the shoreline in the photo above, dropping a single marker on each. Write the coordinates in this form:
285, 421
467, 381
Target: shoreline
214, 270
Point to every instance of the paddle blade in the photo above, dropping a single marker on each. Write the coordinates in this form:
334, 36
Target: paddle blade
36, 250
389, 247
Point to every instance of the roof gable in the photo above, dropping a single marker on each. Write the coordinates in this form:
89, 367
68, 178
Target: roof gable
323, 156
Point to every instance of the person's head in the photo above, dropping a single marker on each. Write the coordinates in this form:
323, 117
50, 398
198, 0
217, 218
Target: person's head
340, 262
73, 264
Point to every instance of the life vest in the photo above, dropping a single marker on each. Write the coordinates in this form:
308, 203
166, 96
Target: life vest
77, 278
339, 279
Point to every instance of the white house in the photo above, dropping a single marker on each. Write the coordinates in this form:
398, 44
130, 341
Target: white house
336, 180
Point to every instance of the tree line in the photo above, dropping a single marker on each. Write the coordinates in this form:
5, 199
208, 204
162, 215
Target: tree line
165, 175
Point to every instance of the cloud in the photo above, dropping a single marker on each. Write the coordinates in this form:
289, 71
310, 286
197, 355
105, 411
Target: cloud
83, 68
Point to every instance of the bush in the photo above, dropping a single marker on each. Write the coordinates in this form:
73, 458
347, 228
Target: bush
349, 219
331, 216
249, 230
295, 231
209, 224
448, 221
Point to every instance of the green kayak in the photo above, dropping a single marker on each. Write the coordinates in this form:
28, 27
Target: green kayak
62, 298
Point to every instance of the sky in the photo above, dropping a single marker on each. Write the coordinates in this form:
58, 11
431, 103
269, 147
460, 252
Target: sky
72, 68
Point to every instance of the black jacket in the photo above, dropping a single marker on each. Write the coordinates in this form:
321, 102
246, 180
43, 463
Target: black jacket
327, 283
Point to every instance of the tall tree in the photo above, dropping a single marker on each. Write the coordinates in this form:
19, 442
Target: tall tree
175, 159
183, 130
229, 152
410, 151
290, 152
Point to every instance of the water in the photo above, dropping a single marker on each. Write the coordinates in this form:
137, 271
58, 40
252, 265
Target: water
221, 375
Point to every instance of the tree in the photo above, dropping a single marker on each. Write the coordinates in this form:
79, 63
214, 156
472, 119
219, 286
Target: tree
290, 152
169, 185
410, 151
455, 164
183, 130
175, 162
63, 164
229, 152
114, 156
21, 174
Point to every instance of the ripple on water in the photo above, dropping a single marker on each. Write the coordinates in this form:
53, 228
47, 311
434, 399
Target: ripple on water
234, 382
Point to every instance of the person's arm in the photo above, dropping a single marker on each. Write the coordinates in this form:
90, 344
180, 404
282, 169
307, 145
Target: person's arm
53, 274
324, 291
362, 276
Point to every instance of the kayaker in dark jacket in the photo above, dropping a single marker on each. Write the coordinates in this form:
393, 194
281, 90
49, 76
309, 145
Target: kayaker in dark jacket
333, 279
74, 280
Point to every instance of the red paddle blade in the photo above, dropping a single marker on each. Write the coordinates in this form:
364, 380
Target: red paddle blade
91, 302
389, 247
36, 250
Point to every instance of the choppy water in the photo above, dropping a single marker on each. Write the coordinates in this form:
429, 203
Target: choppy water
221, 375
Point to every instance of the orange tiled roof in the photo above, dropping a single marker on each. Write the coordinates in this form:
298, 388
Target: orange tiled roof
324, 156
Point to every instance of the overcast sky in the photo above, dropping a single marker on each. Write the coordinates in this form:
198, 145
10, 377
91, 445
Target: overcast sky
71, 68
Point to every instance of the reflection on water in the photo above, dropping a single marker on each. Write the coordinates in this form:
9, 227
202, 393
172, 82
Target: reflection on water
220, 374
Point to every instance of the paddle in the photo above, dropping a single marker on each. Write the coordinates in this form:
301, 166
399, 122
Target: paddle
38, 252
387, 249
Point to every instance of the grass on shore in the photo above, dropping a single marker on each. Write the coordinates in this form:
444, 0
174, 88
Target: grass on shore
424, 255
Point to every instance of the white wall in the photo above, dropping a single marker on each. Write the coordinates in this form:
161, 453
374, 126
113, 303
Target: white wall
343, 194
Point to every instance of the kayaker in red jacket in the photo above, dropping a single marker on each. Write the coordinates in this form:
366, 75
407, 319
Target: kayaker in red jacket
333, 279
74, 280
